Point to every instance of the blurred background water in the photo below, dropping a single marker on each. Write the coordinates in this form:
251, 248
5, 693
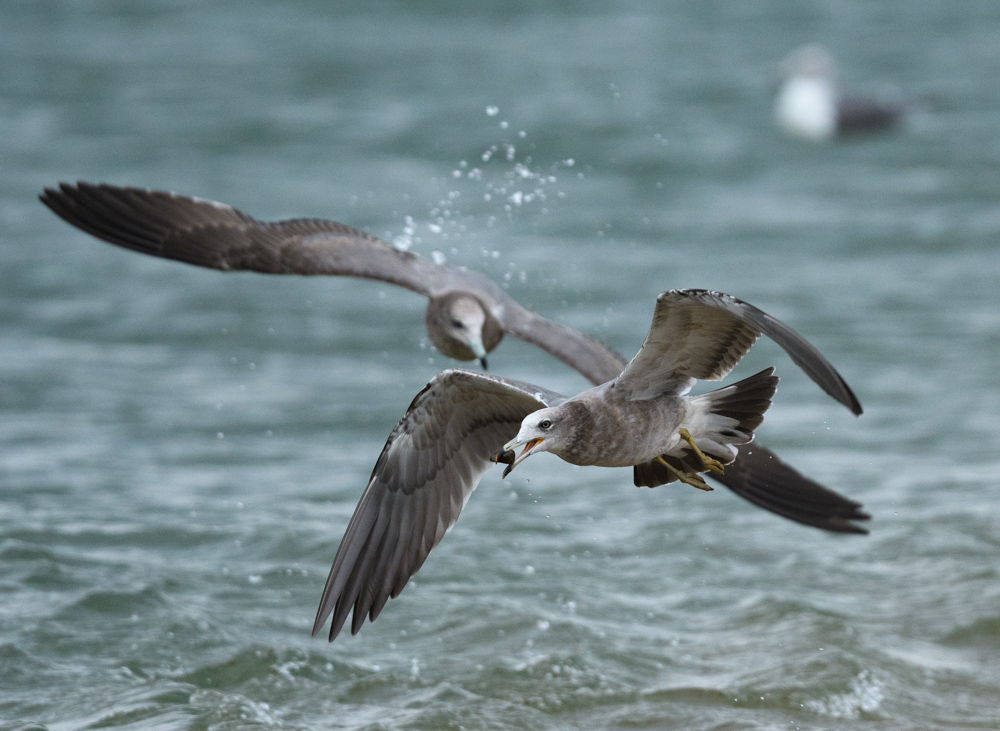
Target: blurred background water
180, 449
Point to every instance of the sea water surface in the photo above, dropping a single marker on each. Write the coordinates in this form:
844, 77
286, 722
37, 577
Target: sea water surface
181, 449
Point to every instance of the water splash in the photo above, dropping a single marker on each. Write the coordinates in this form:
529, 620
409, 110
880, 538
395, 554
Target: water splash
865, 696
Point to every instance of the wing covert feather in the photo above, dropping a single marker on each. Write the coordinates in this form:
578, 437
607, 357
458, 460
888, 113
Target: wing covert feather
688, 339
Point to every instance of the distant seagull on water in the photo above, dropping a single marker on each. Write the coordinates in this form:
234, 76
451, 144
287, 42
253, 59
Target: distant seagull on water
811, 105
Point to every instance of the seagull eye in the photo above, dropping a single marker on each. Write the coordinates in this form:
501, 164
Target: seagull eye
456, 323
545, 424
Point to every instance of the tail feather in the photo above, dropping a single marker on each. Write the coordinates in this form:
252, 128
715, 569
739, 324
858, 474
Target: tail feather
744, 402
719, 421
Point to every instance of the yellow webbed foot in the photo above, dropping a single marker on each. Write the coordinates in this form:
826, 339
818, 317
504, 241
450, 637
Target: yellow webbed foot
688, 478
709, 463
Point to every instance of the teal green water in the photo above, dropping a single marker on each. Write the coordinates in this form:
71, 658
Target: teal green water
180, 450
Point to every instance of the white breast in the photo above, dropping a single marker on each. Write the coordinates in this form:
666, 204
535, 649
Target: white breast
807, 107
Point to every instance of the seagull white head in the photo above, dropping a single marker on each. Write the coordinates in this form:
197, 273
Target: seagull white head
544, 430
460, 327
812, 61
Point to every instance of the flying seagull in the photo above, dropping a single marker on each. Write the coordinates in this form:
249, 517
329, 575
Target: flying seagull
811, 105
467, 314
454, 429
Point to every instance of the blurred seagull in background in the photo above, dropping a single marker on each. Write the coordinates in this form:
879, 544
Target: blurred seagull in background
810, 104
467, 314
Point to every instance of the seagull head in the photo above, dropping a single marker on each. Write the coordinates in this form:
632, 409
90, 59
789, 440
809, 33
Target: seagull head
460, 327
541, 431
811, 61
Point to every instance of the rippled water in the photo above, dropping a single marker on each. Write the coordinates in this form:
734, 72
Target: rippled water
180, 450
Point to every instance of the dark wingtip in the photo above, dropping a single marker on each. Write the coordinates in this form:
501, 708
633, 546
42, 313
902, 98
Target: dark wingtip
49, 194
482, 362
318, 625
334, 631
850, 400
761, 477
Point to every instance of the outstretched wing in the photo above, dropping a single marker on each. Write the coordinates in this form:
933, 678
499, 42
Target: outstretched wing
217, 236
760, 476
688, 339
698, 334
430, 465
800, 350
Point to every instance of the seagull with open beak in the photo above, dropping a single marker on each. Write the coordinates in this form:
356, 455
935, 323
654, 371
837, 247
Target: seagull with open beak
531, 436
644, 419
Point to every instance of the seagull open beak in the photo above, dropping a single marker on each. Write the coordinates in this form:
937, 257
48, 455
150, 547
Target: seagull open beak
506, 455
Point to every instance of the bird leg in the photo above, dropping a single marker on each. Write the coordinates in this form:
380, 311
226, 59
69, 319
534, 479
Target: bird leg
709, 463
688, 478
